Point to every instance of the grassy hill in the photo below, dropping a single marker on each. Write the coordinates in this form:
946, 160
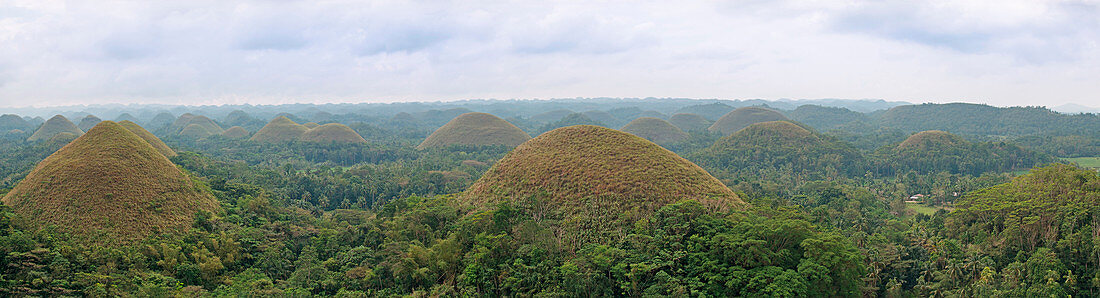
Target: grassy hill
280, 129
148, 137
88, 122
10, 122
655, 130
311, 125
711, 111
596, 180
108, 187
776, 145
825, 118
743, 117
475, 129
208, 127
332, 133
57, 124
689, 122
235, 132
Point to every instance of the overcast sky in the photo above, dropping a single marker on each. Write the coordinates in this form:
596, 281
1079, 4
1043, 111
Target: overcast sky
198, 52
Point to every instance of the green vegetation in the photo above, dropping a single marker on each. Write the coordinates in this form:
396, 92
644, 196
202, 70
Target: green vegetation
478, 129
88, 122
689, 122
931, 140
235, 132
148, 137
1085, 162
56, 125
781, 146
743, 117
280, 129
921, 208
332, 133
108, 187
204, 127
655, 130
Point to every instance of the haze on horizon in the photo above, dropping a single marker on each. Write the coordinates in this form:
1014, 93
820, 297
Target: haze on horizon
262, 52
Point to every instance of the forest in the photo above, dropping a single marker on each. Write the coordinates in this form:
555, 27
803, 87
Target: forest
824, 200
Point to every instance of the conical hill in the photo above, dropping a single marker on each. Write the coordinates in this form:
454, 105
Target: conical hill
108, 187
57, 124
280, 129
743, 117
476, 129
689, 122
931, 139
597, 178
235, 132
148, 137
779, 145
332, 133
88, 122
655, 130
209, 127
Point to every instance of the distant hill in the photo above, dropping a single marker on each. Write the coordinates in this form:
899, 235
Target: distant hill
598, 180
689, 122
655, 130
57, 124
711, 111
743, 117
930, 140
938, 151
332, 133
571, 120
475, 129
160, 123
88, 122
550, 116
280, 129
203, 126
109, 187
127, 117
825, 118
11, 121
780, 145
985, 120
311, 125
148, 137
235, 132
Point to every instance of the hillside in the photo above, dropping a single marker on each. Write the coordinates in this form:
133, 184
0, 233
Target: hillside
689, 122
743, 117
711, 111
57, 124
332, 133
825, 118
88, 122
932, 139
108, 187
205, 126
597, 178
571, 120
655, 130
985, 120
148, 137
778, 145
280, 129
550, 116
475, 129
10, 122
235, 132
939, 151
311, 125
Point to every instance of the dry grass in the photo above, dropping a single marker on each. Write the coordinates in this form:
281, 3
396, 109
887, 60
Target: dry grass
148, 137
476, 129
743, 117
332, 133
57, 124
280, 129
108, 187
655, 130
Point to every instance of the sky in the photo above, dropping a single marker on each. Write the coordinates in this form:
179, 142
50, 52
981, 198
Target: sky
1003, 53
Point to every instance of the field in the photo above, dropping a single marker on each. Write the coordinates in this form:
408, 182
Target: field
1086, 162
921, 208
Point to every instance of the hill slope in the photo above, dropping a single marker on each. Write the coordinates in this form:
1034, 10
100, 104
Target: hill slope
280, 129
88, 122
655, 130
235, 132
57, 124
475, 129
743, 117
776, 145
108, 187
931, 139
332, 133
148, 137
689, 122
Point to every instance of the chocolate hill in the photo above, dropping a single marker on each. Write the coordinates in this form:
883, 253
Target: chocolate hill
57, 124
655, 130
475, 129
743, 117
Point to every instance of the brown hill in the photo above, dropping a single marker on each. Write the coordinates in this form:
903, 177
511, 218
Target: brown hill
655, 130
88, 122
475, 129
235, 132
57, 124
280, 129
597, 180
148, 137
195, 131
689, 122
743, 117
209, 126
332, 133
931, 139
109, 187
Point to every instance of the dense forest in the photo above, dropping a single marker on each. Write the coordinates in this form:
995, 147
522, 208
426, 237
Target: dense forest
838, 199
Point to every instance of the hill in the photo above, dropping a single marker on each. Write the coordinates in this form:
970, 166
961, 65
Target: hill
597, 179
689, 122
208, 127
57, 124
160, 122
109, 187
655, 130
475, 129
571, 120
776, 145
311, 125
88, 122
195, 131
235, 132
332, 133
825, 118
148, 137
550, 116
932, 139
711, 111
743, 117
280, 129
10, 122
127, 117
